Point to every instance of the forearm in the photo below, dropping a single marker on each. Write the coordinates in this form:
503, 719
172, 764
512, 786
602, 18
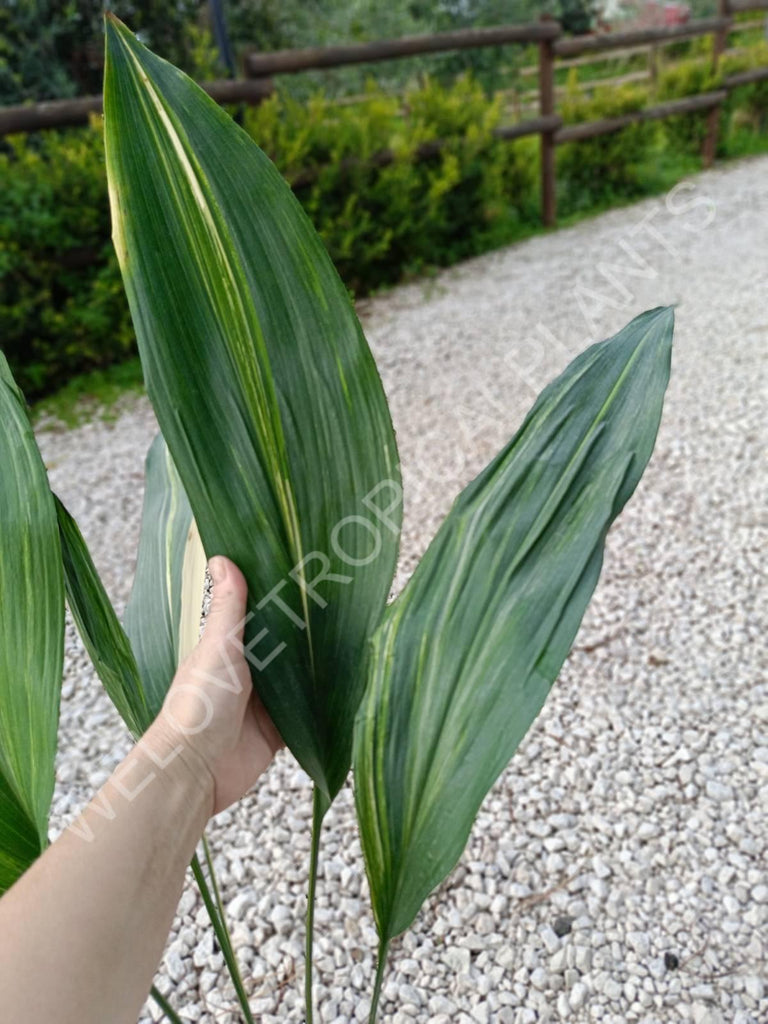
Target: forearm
81, 933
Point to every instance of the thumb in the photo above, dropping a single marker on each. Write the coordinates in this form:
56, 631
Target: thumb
226, 618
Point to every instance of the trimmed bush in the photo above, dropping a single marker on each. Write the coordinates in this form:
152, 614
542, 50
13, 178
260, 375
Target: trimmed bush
746, 109
685, 133
595, 172
62, 307
382, 217
383, 222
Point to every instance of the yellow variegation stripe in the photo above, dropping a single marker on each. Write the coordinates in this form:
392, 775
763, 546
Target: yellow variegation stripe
244, 329
192, 585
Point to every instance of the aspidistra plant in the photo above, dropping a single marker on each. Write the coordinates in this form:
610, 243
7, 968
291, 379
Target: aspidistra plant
31, 637
275, 418
466, 655
265, 391
278, 451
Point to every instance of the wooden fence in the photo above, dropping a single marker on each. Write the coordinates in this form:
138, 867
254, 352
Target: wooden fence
68, 113
552, 45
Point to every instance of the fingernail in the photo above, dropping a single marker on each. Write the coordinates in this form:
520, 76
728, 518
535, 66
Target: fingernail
217, 569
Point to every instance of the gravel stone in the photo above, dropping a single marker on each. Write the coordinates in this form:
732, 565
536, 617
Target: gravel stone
637, 803
550, 939
562, 925
577, 996
639, 942
754, 987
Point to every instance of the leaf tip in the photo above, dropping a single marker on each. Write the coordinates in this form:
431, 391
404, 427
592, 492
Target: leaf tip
117, 35
666, 317
112, 23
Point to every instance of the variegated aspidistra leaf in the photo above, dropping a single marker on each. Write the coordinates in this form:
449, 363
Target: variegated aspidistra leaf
162, 618
467, 654
100, 629
31, 637
264, 388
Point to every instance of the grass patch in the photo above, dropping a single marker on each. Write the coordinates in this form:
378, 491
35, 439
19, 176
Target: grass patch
90, 396
746, 142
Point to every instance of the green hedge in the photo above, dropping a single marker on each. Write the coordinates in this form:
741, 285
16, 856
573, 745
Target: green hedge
62, 309
746, 109
381, 223
61, 304
596, 172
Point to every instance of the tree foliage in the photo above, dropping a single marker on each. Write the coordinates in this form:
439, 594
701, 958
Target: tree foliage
53, 49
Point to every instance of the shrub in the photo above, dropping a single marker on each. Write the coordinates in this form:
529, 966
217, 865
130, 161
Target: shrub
576, 16
381, 221
745, 112
595, 171
50, 49
62, 308
685, 133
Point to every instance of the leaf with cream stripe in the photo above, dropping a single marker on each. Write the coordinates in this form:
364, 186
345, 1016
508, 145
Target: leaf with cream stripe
162, 618
466, 655
265, 391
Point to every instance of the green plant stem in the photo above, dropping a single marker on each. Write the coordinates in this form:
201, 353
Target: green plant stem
215, 885
226, 938
216, 914
320, 805
165, 1006
383, 950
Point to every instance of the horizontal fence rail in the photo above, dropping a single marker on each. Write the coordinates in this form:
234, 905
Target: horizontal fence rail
687, 105
291, 61
552, 48
68, 113
640, 37
746, 78
744, 6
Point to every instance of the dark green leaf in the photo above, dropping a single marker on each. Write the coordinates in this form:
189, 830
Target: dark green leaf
467, 654
100, 628
265, 390
31, 637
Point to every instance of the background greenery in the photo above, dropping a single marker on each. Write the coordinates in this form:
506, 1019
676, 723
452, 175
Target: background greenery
62, 309
54, 48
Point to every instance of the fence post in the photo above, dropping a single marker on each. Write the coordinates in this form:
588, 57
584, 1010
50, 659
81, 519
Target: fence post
546, 109
653, 63
719, 44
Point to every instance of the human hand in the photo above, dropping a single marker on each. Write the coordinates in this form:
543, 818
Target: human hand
211, 712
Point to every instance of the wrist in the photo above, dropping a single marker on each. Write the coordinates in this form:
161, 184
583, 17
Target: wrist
179, 766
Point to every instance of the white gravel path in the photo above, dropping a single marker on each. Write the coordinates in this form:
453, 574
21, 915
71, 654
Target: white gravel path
635, 815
